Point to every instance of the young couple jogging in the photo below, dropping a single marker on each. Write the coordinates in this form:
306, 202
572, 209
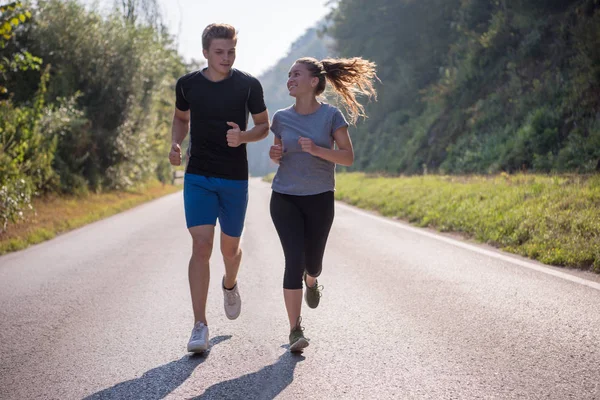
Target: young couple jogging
311, 137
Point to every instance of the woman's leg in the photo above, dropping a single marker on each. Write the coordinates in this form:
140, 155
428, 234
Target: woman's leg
289, 223
318, 220
319, 211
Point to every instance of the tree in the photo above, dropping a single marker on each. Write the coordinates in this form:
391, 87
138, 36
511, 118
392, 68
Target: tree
146, 12
12, 58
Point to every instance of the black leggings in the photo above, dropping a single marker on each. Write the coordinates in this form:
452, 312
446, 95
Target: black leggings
303, 224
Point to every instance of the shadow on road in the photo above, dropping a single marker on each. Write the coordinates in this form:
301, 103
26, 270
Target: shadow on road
264, 384
158, 382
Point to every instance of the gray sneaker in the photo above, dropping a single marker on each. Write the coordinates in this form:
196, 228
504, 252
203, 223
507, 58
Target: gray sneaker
231, 301
312, 294
297, 340
199, 340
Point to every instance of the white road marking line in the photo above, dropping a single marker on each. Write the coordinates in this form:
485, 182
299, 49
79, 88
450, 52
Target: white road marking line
522, 263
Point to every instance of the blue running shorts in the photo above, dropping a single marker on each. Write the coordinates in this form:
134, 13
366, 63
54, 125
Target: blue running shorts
206, 199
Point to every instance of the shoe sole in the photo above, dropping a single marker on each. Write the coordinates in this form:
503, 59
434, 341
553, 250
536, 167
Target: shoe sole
199, 348
232, 317
299, 345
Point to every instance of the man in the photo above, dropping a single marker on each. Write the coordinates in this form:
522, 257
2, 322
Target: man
213, 104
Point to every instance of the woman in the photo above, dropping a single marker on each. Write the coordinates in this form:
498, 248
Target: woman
302, 203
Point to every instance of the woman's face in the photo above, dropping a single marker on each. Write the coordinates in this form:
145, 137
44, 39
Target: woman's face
300, 82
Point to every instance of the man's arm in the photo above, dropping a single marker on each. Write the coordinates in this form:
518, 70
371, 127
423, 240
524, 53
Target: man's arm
181, 126
235, 137
260, 129
179, 130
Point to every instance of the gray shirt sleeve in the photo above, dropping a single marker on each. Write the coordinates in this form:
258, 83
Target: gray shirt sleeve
338, 121
275, 126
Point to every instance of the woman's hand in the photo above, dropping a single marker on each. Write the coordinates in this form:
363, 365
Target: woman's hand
308, 145
275, 153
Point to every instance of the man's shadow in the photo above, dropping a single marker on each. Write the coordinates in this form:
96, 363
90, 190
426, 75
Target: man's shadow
266, 383
160, 381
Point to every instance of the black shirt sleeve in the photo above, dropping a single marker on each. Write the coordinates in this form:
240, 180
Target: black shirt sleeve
180, 101
256, 101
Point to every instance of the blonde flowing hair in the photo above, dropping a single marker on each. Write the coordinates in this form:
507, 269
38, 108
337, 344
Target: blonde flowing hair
349, 77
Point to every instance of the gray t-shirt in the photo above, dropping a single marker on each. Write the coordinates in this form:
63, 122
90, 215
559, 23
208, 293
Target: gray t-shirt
300, 173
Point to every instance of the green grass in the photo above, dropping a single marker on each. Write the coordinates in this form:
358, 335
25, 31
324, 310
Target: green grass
553, 219
55, 215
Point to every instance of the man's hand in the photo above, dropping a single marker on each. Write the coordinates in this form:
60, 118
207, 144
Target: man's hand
307, 145
175, 154
275, 153
234, 135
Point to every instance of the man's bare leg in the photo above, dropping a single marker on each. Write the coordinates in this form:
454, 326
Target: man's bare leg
199, 270
232, 257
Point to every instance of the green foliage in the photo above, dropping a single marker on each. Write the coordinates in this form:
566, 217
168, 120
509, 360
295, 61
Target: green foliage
12, 17
101, 117
27, 146
120, 70
554, 219
73, 143
476, 86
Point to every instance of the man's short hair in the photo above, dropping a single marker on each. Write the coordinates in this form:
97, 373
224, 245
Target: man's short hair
217, 31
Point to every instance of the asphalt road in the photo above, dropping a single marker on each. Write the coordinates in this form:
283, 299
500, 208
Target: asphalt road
104, 312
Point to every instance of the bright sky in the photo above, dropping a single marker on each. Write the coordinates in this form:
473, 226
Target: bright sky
266, 28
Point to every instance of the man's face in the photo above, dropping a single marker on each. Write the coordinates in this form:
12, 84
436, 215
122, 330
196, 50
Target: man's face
221, 55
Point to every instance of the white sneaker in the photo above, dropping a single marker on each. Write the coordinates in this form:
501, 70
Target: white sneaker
199, 340
232, 301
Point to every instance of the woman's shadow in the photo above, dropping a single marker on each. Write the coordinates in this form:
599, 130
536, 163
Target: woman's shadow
158, 382
266, 383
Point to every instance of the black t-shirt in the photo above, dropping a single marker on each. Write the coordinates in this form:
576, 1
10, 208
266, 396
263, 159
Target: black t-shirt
212, 105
